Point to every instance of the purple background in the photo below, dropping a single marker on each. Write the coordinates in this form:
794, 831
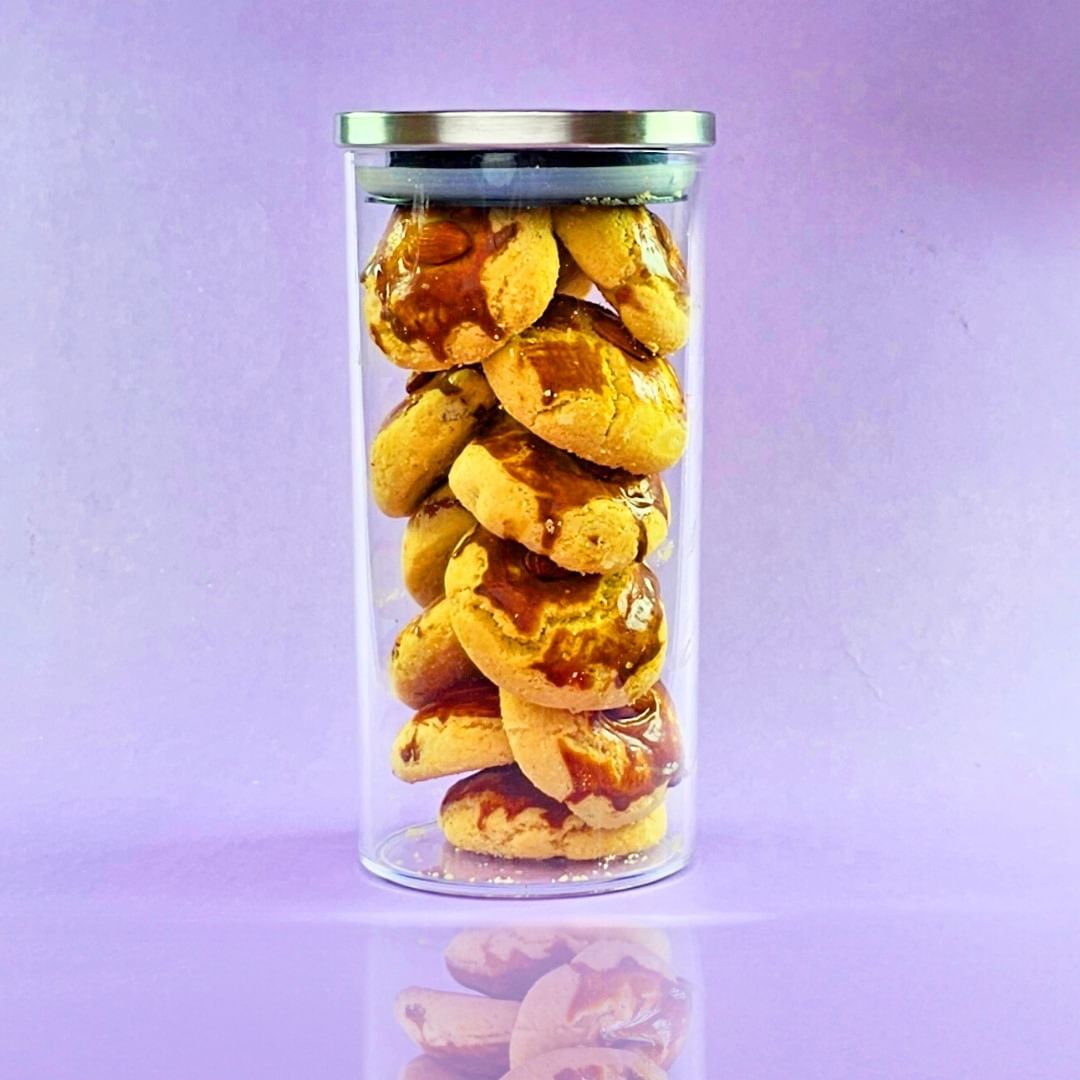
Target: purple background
888, 881
893, 582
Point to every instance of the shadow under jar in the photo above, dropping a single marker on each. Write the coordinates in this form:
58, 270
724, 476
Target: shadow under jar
526, 377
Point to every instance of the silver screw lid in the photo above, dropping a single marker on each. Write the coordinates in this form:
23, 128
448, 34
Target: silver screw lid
537, 128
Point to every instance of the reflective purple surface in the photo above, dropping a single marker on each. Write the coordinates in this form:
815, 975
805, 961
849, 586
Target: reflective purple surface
277, 958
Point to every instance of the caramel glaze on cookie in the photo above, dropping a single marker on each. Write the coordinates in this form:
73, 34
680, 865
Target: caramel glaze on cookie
521, 584
551, 636
610, 766
430, 283
579, 380
650, 741
460, 731
447, 284
498, 812
505, 788
614, 516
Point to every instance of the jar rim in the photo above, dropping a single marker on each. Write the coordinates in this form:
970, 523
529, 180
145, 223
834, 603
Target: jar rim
541, 128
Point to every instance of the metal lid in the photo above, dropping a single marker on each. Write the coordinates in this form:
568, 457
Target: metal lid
508, 128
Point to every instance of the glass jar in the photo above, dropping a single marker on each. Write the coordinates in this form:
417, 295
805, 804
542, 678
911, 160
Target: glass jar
526, 377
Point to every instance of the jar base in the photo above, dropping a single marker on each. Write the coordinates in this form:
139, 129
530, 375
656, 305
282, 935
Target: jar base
419, 857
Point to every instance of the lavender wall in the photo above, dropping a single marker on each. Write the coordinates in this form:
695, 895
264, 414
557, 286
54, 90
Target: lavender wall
891, 644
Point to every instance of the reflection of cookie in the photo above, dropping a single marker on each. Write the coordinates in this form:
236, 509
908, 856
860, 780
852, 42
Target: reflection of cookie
551, 636
446, 285
632, 257
427, 659
458, 732
505, 961
587, 1063
428, 1068
498, 812
438, 523
419, 440
582, 516
610, 767
467, 1033
581, 382
612, 994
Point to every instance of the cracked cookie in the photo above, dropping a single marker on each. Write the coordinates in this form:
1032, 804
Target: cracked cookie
549, 635
498, 812
582, 516
417, 443
447, 285
610, 767
579, 381
459, 732
631, 256
427, 660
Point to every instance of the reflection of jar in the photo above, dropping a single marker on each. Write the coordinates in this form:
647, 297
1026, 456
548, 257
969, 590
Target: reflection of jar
524, 1002
527, 377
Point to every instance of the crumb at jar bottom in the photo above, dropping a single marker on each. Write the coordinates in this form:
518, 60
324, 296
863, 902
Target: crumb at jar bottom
526, 534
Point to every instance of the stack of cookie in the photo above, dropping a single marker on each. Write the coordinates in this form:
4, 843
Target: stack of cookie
527, 456
575, 1003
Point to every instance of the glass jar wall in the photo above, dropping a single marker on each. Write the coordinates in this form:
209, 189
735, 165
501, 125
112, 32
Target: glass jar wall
526, 374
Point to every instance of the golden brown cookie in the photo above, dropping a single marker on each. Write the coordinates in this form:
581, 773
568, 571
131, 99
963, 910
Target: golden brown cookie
460, 731
611, 767
581, 382
573, 281
505, 961
447, 285
582, 516
587, 1063
419, 440
553, 637
427, 660
597, 997
462, 1031
631, 256
498, 812
433, 531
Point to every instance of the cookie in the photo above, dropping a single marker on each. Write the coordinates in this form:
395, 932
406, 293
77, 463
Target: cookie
498, 812
416, 444
587, 1063
612, 994
611, 767
582, 516
550, 636
582, 383
467, 1033
572, 281
505, 961
433, 531
427, 659
631, 256
447, 285
458, 732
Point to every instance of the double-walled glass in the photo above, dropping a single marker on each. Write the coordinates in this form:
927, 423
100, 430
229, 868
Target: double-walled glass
526, 372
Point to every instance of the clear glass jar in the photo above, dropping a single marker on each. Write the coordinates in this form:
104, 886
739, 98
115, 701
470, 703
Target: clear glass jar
526, 374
